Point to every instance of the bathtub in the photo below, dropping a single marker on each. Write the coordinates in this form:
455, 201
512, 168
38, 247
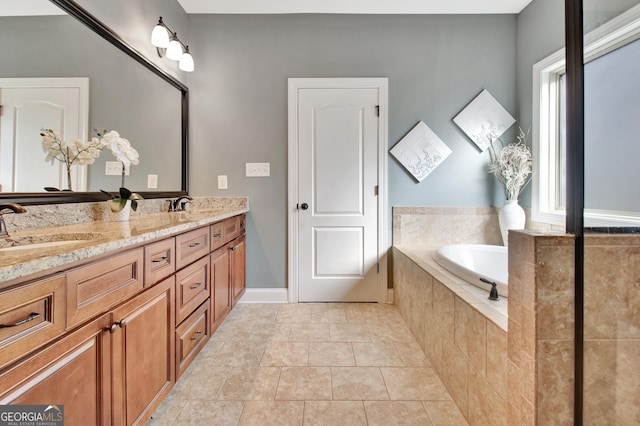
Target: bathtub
474, 261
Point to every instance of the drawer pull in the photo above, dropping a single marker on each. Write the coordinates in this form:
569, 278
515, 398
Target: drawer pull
31, 317
234, 248
192, 245
196, 335
217, 235
196, 285
160, 259
114, 327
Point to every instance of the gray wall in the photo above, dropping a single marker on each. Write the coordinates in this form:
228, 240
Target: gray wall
435, 66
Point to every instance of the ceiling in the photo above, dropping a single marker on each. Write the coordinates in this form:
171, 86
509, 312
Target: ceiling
44, 7
355, 6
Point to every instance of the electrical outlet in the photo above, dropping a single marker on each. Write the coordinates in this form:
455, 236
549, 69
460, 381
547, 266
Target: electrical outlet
222, 182
152, 181
114, 168
257, 169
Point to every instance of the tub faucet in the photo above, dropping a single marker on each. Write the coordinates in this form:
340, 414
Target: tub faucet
179, 204
15, 208
493, 294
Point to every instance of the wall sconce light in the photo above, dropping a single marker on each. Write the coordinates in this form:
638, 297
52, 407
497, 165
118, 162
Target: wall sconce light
168, 44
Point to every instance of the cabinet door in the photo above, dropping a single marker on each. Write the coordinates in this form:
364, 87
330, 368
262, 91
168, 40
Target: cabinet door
237, 262
220, 286
143, 353
73, 372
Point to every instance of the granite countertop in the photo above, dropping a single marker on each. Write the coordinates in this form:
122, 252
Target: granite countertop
90, 239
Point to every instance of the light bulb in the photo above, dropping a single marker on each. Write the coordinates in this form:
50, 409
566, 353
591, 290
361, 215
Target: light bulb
174, 50
186, 61
160, 36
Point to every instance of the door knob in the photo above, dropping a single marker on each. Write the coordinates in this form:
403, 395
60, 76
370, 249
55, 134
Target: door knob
304, 206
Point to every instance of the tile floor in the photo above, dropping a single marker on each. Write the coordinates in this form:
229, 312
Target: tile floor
310, 364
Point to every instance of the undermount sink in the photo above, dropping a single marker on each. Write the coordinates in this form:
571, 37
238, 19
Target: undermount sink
28, 242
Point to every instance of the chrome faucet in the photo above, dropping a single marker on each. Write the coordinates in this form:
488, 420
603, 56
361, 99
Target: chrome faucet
179, 204
15, 208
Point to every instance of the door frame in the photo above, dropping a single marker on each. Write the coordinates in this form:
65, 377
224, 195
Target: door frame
295, 84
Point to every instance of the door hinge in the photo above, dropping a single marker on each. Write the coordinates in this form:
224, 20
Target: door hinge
375, 190
377, 110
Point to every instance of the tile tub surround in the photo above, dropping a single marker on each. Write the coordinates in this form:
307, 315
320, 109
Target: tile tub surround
462, 333
109, 236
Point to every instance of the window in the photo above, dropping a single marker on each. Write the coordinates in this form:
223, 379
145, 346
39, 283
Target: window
612, 135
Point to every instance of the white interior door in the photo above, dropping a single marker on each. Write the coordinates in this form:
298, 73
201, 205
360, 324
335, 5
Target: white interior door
338, 139
29, 105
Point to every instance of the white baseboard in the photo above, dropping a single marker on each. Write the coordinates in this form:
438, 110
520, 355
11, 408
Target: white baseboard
265, 295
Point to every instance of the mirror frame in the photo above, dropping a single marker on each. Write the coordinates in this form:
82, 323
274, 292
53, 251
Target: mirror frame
97, 26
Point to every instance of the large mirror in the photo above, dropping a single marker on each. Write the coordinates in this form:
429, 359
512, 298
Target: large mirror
126, 93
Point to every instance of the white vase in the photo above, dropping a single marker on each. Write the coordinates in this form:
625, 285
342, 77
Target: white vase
122, 215
511, 216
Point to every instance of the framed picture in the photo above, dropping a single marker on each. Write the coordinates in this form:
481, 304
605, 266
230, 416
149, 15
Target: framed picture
484, 120
420, 151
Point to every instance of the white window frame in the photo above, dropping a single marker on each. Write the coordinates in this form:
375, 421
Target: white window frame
616, 33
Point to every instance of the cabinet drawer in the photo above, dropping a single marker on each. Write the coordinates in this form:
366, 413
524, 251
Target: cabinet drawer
30, 316
159, 261
191, 336
233, 227
191, 246
100, 285
217, 235
192, 288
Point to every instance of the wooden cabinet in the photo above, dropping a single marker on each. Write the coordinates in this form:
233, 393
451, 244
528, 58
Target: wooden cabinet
237, 268
220, 286
94, 288
75, 372
108, 339
143, 353
31, 316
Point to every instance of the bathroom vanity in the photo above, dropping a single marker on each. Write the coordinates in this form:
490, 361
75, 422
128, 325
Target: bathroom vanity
106, 323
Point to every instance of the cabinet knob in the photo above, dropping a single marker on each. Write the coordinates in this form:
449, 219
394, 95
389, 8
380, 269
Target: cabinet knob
113, 328
122, 323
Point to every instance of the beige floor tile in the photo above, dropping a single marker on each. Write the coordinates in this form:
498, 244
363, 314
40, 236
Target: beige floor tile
234, 330
358, 384
270, 331
302, 383
239, 353
286, 354
328, 314
200, 382
272, 413
385, 332
324, 413
390, 413
210, 413
260, 312
250, 383
349, 333
414, 383
331, 354
444, 413
211, 348
167, 412
294, 313
309, 332
376, 354
412, 355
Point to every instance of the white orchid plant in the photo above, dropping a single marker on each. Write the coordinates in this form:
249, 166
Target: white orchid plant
121, 149
512, 165
74, 152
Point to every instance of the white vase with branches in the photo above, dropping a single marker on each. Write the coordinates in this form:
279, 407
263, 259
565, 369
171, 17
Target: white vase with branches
512, 167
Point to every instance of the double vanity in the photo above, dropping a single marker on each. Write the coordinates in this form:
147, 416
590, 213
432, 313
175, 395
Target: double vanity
104, 317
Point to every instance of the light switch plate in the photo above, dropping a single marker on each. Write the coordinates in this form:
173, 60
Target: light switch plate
152, 181
222, 182
114, 168
257, 169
